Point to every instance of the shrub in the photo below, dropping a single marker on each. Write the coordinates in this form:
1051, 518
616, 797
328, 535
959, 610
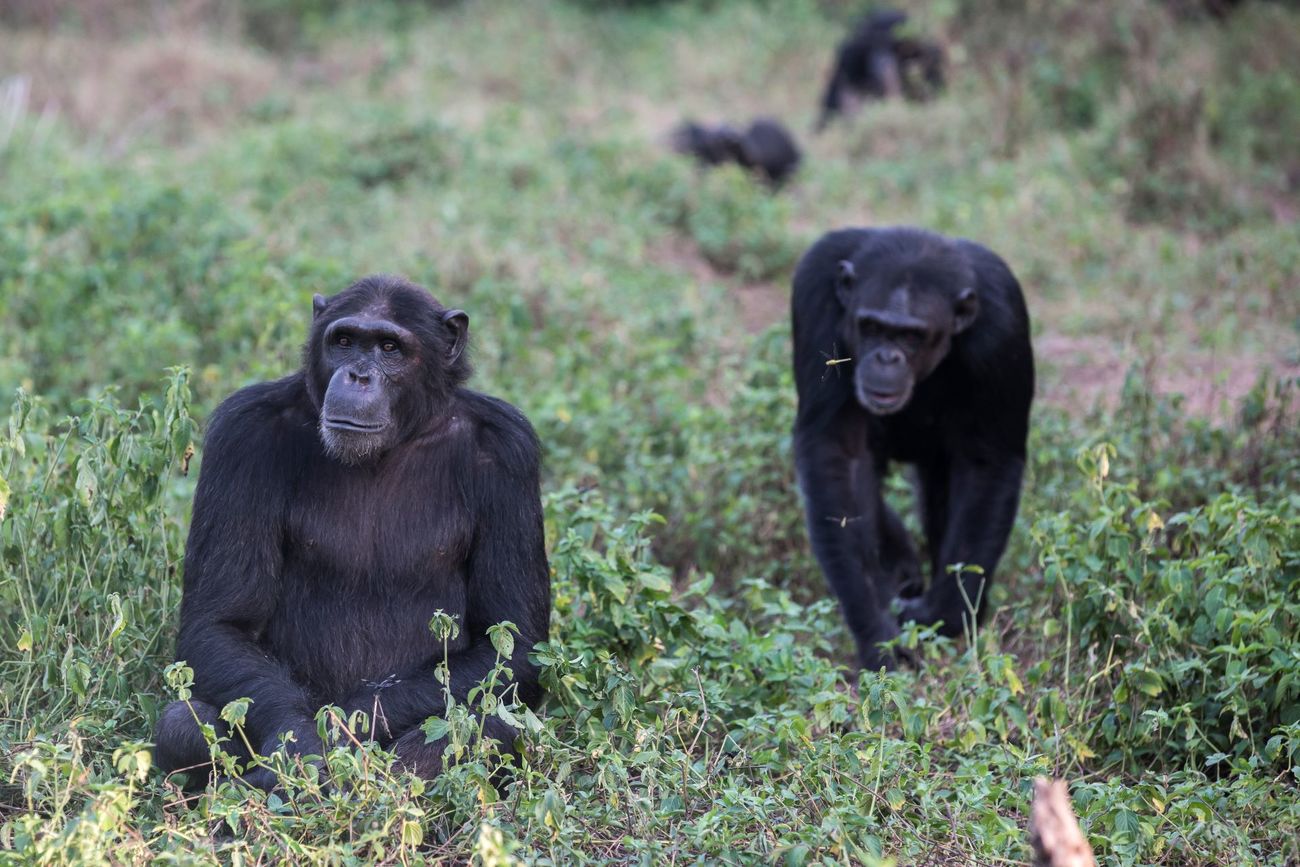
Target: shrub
145, 273
1196, 616
739, 225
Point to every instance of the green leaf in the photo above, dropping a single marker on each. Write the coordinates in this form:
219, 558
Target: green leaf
531, 722
507, 717
502, 638
236, 712
435, 728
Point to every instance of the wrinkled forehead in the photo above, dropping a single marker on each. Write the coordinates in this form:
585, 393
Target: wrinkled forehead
360, 304
394, 301
905, 296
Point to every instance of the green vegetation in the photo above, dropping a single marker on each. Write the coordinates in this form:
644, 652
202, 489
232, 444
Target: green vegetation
159, 247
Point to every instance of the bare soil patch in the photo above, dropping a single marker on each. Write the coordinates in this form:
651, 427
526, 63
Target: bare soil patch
1080, 372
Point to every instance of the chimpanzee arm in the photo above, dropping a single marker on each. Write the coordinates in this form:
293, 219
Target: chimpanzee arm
232, 572
508, 579
842, 526
833, 97
984, 494
882, 64
830, 445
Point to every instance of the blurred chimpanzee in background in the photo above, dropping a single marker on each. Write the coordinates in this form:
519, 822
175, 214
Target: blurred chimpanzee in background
875, 62
766, 148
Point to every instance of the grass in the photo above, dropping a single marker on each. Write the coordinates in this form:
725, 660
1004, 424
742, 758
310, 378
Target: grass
1145, 643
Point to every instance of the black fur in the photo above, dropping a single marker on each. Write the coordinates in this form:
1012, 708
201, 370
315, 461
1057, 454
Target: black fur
312, 581
766, 147
874, 62
962, 423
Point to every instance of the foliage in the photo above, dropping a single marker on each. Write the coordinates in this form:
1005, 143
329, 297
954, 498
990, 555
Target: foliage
1198, 615
677, 718
739, 226
144, 273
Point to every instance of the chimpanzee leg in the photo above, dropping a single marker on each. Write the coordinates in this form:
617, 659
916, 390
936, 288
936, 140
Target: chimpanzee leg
932, 497
430, 759
900, 565
984, 497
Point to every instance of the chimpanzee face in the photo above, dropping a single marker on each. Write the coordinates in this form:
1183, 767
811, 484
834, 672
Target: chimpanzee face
899, 327
369, 360
382, 371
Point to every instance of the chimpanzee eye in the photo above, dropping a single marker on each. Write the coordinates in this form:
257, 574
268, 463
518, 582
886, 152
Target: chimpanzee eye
388, 346
344, 341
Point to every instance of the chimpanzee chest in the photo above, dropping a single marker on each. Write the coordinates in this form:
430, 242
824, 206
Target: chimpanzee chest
908, 436
367, 563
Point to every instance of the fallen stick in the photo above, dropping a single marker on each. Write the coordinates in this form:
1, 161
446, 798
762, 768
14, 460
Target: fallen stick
1053, 830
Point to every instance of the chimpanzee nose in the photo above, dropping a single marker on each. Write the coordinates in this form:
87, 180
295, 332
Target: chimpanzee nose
356, 378
888, 355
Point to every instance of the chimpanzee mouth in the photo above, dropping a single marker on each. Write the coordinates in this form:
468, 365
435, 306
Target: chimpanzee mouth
884, 402
350, 442
347, 425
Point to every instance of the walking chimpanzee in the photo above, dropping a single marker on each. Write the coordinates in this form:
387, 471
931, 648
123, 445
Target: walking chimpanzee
909, 347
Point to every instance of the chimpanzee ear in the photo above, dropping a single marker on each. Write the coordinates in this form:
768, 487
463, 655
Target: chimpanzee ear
844, 276
318, 303
458, 322
966, 308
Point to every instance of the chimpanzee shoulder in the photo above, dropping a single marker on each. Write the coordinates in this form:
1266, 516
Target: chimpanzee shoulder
259, 421
503, 435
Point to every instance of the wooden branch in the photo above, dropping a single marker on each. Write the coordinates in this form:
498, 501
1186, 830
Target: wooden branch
1053, 831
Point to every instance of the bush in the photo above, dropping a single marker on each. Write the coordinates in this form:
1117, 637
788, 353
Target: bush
145, 273
1255, 110
91, 542
1196, 615
740, 226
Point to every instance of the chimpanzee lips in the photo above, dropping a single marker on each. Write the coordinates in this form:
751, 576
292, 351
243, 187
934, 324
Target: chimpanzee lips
350, 441
347, 424
883, 402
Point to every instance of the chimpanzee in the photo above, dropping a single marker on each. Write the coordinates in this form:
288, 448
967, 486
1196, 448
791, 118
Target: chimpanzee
875, 62
910, 347
766, 147
1214, 8
337, 510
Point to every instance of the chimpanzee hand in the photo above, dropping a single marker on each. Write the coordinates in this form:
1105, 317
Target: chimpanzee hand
872, 657
305, 740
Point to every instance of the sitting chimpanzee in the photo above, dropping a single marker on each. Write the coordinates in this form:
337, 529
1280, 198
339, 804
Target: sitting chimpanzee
908, 347
337, 510
877, 63
766, 148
